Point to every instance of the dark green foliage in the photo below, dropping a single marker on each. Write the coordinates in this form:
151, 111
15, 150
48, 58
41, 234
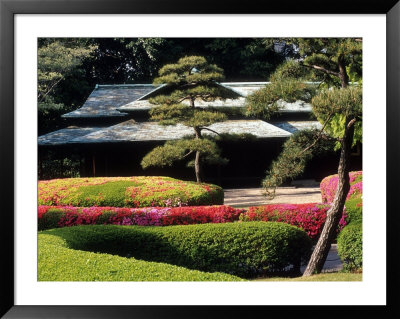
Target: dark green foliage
290, 70
173, 151
53, 165
335, 105
293, 159
349, 243
245, 249
265, 102
50, 219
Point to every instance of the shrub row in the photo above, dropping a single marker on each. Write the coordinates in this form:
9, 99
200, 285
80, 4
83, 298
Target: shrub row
329, 184
242, 249
349, 245
141, 191
309, 217
62, 216
58, 262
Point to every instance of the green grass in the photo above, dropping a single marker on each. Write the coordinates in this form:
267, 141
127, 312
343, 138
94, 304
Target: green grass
57, 262
331, 276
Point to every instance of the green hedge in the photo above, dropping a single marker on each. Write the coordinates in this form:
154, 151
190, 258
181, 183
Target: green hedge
349, 245
137, 191
354, 209
243, 249
57, 262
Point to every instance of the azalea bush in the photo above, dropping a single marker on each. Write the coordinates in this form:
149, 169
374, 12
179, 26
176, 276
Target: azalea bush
137, 191
64, 216
243, 249
329, 184
349, 240
309, 217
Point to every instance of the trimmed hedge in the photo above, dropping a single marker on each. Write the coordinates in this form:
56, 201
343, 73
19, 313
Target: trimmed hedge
329, 184
349, 245
309, 217
137, 191
63, 216
242, 249
57, 262
354, 209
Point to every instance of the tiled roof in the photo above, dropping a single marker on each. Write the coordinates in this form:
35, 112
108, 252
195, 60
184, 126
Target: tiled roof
131, 131
65, 135
115, 100
293, 126
105, 99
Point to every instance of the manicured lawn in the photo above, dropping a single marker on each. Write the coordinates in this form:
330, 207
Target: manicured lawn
57, 262
333, 276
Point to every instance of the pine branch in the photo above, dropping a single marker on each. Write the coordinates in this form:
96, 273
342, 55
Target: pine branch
319, 135
320, 68
206, 128
351, 122
186, 155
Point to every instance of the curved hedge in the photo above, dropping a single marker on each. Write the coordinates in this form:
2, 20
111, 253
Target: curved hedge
64, 216
243, 249
329, 184
310, 217
137, 191
57, 262
349, 245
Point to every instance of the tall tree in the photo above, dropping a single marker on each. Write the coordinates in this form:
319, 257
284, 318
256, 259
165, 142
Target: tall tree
337, 106
190, 80
58, 60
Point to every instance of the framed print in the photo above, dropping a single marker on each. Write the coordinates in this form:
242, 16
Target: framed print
25, 25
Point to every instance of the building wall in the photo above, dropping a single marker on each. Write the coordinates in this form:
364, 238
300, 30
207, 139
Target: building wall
248, 162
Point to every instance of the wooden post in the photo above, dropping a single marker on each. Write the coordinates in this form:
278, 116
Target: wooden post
94, 165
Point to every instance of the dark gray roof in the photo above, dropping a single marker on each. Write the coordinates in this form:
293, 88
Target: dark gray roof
131, 131
294, 126
64, 136
105, 99
243, 89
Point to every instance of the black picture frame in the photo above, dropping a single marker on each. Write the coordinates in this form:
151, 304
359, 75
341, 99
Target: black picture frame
8, 10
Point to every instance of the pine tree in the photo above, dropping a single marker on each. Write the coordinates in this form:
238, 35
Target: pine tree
336, 104
188, 81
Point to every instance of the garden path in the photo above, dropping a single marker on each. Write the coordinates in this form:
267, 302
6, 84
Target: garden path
302, 191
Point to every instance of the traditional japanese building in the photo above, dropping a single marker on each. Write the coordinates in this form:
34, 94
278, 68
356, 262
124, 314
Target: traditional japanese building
111, 133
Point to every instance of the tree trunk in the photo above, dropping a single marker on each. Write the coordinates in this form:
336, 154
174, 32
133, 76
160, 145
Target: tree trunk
334, 214
344, 78
197, 164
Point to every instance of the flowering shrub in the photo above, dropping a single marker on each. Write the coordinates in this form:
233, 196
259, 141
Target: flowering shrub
329, 185
137, 191
310, 217
64, 216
